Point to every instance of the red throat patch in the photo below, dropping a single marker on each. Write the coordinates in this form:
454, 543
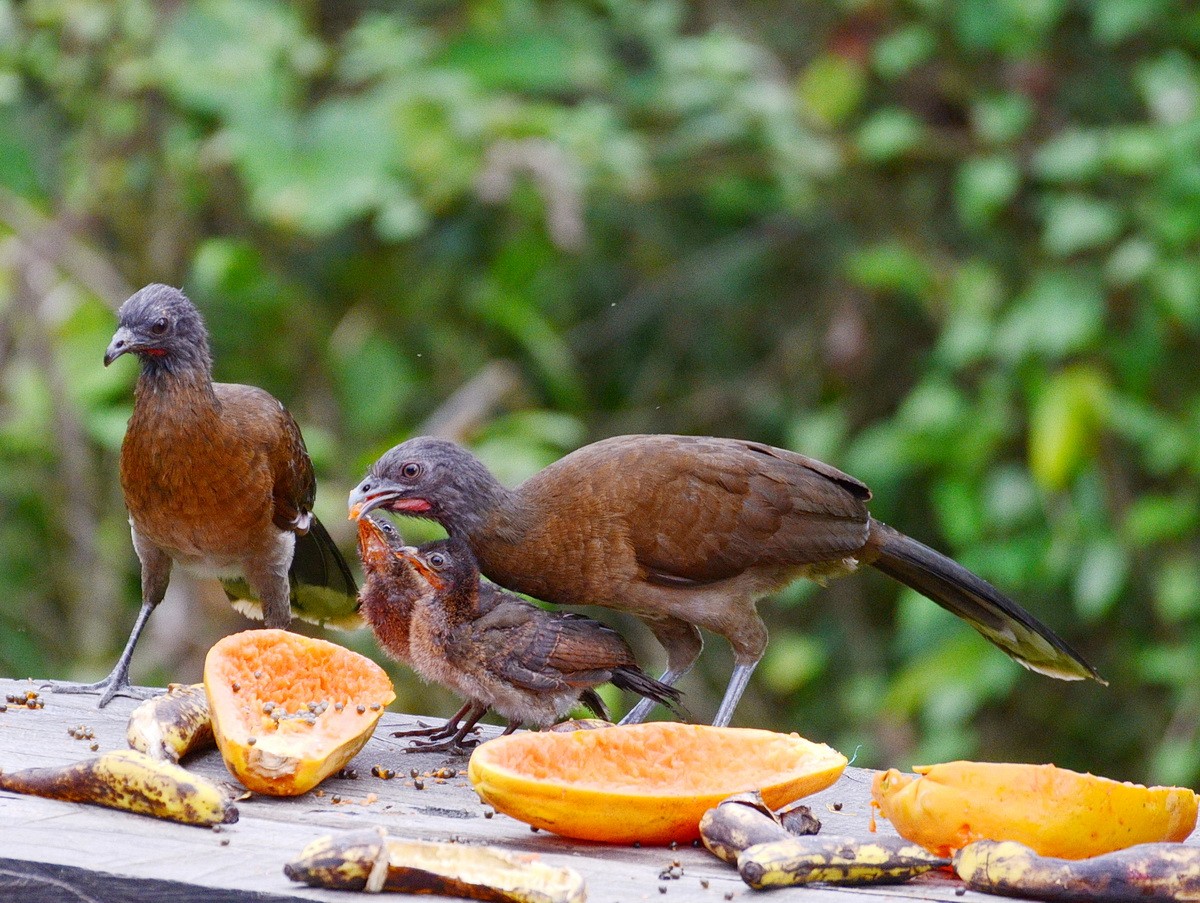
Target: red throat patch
416, 506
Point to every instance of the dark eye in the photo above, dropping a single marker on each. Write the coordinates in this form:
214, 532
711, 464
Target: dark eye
411, 470
437, 560
159, 326
387, 528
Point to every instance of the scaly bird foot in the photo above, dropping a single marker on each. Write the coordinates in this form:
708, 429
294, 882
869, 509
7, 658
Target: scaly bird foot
433, 733
455, 746
107, 688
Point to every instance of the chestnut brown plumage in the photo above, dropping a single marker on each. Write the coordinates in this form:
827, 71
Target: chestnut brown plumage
500, 651
390, 588
217, 482
687, 532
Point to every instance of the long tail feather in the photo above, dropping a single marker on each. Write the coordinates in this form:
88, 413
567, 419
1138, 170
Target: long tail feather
998, 618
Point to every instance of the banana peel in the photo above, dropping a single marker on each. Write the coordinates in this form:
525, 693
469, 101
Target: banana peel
744, 820
834, 860
1151, 872
132, 781
372, 861
173, 725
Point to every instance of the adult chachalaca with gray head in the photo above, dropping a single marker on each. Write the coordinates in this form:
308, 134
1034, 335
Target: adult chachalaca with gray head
218, 485
687, 532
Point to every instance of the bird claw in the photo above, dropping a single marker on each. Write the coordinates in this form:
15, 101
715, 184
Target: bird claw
455, 746
108, 689
441, 732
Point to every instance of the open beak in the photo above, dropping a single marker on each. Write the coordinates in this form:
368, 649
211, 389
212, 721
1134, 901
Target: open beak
372, 544
428, 574
380, 492
122, 341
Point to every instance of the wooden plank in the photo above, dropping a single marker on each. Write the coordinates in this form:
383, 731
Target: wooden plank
53, 851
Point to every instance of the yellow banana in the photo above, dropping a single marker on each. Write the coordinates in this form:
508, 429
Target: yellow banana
130, 780
834, 860
372, 861
1150, 872
170, 726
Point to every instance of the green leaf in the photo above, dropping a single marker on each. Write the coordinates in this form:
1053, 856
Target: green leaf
1075, 223
891, 267
1177, 589
832, 88
1064, 425
1100, 579
1000, 118
984, 187
903, 50
793, 660
889, 134
1114, 21
1061, 313
1073, 157
1154, 519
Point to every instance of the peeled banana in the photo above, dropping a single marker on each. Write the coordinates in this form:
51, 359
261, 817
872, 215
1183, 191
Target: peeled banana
372, 861
834, 860
1150, 872
170, 726
129, 780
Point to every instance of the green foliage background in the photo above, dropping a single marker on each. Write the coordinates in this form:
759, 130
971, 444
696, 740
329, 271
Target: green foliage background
947, 245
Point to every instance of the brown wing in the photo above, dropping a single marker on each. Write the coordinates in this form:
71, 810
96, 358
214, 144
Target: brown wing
538, 649
263, 422
699, 509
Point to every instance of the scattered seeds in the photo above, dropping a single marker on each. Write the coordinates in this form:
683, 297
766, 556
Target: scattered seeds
384, 774
251, 741
704, 883
419, 784
224, 841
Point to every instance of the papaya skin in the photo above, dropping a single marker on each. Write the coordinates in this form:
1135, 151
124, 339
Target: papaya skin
1054, 811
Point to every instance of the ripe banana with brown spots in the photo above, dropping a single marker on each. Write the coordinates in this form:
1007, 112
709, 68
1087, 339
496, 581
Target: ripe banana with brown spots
172, 725
1150, 872
129, 780
834, 860
744, 820
372, 861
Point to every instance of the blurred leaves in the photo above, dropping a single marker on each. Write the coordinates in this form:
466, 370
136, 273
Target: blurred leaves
950, 248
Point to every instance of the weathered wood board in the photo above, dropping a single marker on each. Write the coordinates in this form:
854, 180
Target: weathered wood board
54, 851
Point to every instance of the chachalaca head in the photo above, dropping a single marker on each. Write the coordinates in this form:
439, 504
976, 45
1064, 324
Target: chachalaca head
429, 478
164, 329
448, 566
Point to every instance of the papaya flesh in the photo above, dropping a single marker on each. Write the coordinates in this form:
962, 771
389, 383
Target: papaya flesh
1054, 811
289, 710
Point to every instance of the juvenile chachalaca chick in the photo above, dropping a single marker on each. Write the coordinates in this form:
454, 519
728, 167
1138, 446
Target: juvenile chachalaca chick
390, 587
217, 482
687, 532
502, 652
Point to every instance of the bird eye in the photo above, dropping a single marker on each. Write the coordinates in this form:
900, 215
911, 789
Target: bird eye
160, 326
437, 560
411, 470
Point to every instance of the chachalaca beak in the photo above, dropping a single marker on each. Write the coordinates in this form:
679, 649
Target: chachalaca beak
380, 492
122, 342
372, 544
428, 574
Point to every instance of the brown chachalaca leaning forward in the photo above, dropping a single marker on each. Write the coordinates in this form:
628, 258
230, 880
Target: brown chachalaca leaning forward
218, 485
499, 651
687, 532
